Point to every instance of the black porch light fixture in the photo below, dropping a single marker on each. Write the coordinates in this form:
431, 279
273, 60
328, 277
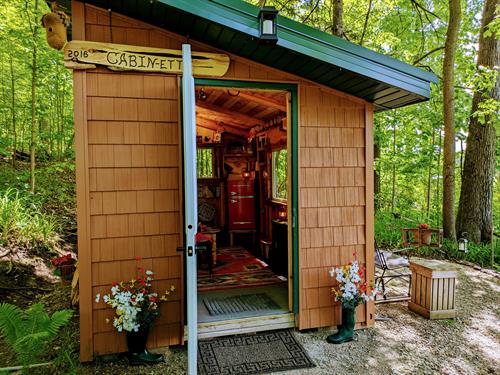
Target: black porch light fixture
268, 25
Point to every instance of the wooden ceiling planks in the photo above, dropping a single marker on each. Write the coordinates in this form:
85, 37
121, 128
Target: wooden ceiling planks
237, 111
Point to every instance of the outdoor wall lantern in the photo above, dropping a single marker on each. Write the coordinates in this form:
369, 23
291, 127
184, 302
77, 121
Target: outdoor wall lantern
268, 27
462, 244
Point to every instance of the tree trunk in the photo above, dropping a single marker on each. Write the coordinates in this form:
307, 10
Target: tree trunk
429, 177
376, 176
393, 194
475, 205
338, 18
449, 120
13, 103
33, 99
438, 184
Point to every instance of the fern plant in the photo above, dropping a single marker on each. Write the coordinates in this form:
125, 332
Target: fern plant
28, 332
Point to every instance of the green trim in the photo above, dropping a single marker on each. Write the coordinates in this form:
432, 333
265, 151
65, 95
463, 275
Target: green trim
313, 43
295, 198
292, 88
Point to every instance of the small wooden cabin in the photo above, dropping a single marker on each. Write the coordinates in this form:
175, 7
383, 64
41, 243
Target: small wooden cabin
285, 166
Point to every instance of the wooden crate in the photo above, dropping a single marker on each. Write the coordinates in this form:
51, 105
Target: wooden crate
433, 288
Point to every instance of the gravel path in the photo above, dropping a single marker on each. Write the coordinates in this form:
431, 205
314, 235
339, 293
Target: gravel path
405, 344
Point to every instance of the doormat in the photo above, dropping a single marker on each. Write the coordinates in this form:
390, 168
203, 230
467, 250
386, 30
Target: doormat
261, 353
238, 304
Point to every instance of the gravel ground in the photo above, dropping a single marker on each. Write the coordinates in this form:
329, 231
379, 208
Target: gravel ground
405, 344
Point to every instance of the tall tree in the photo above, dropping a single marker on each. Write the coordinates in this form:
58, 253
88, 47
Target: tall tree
34, 30
449, 119
13, 102
476, 195
338, 18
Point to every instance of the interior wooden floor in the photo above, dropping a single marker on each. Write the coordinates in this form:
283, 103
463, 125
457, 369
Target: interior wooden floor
276, 292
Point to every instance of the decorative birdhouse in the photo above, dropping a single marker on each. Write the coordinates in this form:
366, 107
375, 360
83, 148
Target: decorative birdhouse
56, 24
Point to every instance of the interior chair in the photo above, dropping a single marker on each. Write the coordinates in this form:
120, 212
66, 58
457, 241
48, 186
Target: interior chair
390, 266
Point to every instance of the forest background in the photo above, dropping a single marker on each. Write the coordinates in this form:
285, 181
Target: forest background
36, 117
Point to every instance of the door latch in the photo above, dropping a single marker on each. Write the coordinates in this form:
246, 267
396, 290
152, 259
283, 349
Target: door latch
190, 250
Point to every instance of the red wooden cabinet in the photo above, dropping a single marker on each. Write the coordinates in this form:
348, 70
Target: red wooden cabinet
241, 203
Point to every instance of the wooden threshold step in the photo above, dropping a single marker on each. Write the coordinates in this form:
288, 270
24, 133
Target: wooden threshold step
244, 325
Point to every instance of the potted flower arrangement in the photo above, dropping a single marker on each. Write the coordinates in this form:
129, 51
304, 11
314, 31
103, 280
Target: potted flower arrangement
351, 291
136, 307
65, 267
425, 234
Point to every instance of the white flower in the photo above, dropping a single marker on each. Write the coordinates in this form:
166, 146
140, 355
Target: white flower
148, 272
97, 297
332, 272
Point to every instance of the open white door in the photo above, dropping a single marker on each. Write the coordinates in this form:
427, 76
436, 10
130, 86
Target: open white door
190, 204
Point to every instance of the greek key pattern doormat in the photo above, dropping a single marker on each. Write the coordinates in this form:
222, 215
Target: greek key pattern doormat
260, 353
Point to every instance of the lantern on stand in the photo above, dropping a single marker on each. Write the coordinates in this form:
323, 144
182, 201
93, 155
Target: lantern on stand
462, 244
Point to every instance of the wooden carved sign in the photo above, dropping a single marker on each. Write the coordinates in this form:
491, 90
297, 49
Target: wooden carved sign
80, 54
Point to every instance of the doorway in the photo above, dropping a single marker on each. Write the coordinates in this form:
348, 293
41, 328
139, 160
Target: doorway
246, 205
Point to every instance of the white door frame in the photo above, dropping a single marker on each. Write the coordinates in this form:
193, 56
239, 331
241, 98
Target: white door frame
190, 204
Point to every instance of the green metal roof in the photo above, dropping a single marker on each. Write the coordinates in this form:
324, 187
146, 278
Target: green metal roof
232, 25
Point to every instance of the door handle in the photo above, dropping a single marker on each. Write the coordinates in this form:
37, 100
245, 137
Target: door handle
190, 252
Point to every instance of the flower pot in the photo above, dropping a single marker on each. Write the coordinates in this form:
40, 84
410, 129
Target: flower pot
425, 237
137, 352
346, 331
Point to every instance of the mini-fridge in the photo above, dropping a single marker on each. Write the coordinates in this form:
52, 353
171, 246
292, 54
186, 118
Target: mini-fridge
241, 202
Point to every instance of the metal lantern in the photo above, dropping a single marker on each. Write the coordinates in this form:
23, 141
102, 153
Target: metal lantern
282, 213
268, 29
462, 245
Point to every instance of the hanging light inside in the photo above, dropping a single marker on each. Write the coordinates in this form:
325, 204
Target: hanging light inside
282, 213
268, 29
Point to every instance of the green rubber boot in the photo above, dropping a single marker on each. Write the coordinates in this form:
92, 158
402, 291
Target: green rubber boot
144, 358
346, 331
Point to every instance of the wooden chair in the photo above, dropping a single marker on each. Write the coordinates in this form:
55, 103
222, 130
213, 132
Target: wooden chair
390, 265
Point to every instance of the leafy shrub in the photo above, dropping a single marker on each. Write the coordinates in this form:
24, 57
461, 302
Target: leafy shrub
476, 253
53, 201
22, 223
28, 332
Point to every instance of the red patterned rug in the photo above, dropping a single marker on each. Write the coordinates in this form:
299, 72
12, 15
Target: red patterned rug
236, 268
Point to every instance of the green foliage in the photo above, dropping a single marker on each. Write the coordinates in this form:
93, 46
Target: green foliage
205, 162
494, 26
67, 360
36, 219
476, 253
388, 225
280, 169
53, 107
24, 224
28, 332
388, 236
